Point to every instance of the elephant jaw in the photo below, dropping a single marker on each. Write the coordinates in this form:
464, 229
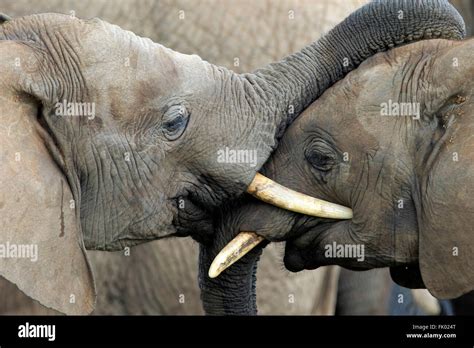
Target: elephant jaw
280, 196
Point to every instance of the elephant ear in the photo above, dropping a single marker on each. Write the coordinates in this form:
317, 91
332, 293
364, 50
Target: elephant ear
446, 239
41, 246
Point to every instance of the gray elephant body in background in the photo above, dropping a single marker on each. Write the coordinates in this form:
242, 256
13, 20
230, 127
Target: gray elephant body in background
139, 269
466, 9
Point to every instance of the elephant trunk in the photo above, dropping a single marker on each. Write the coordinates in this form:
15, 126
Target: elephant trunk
234, 291
299, 79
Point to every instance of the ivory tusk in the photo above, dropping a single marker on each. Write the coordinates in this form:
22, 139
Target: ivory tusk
232, 252
280, 196
273, 193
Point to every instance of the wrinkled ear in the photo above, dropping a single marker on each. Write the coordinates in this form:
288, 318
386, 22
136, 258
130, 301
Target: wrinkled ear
41, 247
446, 239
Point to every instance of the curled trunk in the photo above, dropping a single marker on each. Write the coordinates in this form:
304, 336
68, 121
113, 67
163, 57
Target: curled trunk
299, 79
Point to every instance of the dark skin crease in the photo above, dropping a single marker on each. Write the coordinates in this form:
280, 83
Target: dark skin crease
407, 180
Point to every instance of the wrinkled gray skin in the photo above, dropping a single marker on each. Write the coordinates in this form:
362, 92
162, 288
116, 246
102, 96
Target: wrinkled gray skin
155, 275
425, 163
137, 284
126, 169
123, 286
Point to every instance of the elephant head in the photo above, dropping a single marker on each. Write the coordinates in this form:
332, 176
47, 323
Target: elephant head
393, 141
110, 140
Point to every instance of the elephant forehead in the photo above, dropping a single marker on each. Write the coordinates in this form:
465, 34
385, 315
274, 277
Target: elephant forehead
393, 88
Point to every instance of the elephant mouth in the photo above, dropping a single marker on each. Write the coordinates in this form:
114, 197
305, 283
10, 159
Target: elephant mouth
280, 196
192, 219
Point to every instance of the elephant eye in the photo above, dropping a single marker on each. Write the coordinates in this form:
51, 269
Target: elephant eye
174, 122
321, 156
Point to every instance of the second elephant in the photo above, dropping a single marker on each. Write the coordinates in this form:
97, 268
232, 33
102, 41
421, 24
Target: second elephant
408, 177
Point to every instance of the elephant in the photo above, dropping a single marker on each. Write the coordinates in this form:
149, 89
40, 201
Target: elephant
241, 38
167, 183
172, 287
406, 175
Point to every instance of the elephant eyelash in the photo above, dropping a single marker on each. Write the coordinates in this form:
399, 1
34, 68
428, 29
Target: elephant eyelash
321, 156
175, 121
